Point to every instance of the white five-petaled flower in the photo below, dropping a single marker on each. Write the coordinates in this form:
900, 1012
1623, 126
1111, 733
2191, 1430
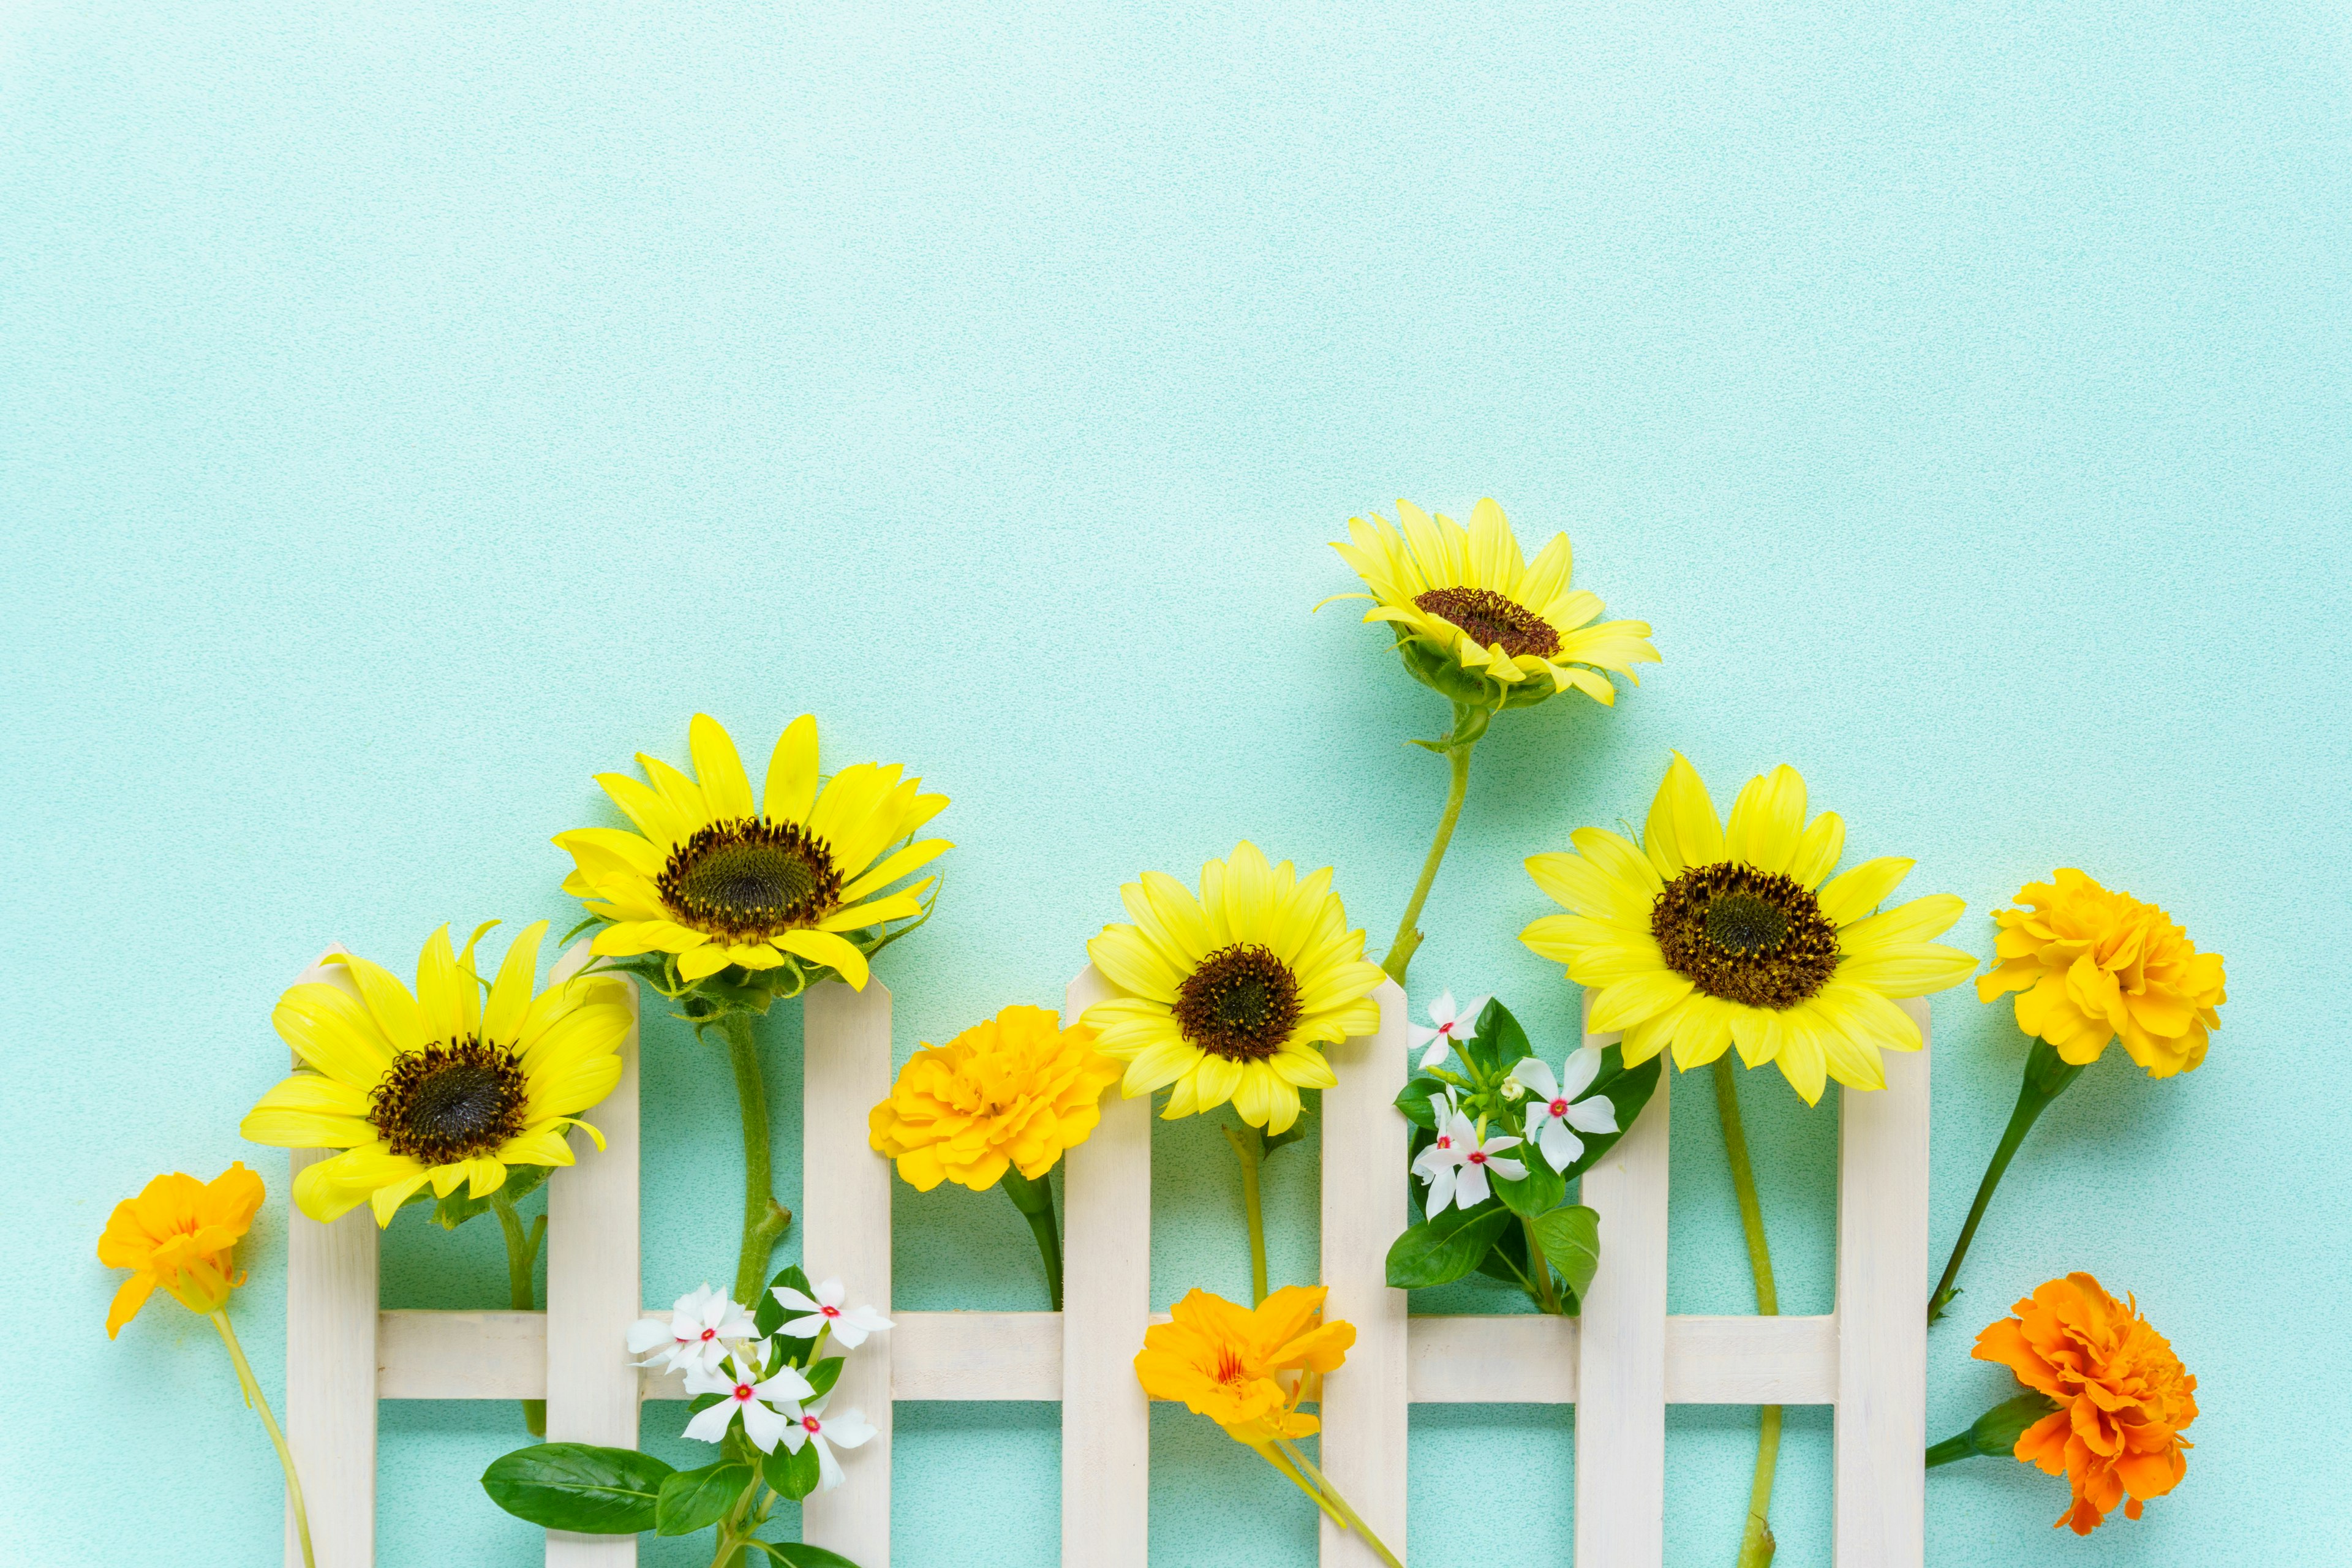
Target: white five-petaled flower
847, 1430
1556, 1108
1453, 1026
850, 1325
771, 1406
697, 1335
1458, 1176
1438, 1163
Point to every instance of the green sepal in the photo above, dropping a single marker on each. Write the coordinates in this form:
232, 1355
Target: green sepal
792, 1475
457, 1208
823, 1375
1441, 1251
798, 1554
1571, 1240
1995, 1433
697, 1500
578, 1487
768, 1314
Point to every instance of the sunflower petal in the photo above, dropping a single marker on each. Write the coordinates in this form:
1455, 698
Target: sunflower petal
832, 952
1682, 831
791, 772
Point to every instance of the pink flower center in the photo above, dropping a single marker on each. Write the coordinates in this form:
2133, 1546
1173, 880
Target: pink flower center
1443, 1141
811, 1423
709, 1335
830, 1311
742, 1391
1559, 1107
1478, 1156
1445, 1029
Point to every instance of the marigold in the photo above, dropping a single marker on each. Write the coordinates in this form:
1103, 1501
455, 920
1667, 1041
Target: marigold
2123, 1397
179, 1233
1219, 1359
2094, 965
1018, 1090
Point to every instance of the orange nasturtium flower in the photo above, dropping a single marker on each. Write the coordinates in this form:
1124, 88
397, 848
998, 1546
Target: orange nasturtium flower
1016, 1090
2122, 1396
2095, 965
1219, 1359
178, 1233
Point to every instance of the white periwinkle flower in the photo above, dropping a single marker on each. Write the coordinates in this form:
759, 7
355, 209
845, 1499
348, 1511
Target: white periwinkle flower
847, 1430
696, 1335
770, 1407
1451, 1027
1477, 1160
850, 1325
1556, 1107
1441, 1162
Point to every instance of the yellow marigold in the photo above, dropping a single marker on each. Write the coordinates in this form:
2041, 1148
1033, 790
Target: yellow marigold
2094, 965
179, 1233
2122, 1396
1219, 1359
1017, 1090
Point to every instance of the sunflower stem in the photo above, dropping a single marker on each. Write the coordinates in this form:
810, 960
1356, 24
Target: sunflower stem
260, 1404
1035, 1199
1469, 723
1756, 1542
2047, 1074
523, 1254
1249, 1148
764, 1219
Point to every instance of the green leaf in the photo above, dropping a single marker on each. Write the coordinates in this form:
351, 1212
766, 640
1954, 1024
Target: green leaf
578, 1487
697, 1500
768, 1314
703, 1402
1439, 1251
1629, 1089
1414, 1099
795, 1554
1500, 1043
457, 1208
1540, 1192
793, 1476
1570, 1238
1509, 1251
823, 1375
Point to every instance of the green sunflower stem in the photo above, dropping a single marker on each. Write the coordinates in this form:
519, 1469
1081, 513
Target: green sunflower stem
260, 1401
764, 1219
1756, 1542
2047, 1076
522, 1256
1035, 1199
1469, 725
1249, 1147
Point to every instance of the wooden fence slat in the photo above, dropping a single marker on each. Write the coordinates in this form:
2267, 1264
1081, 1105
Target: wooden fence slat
1882, 1264
330, 1357
1365, 1139
1105, 1306
846, 1233
592, 1286
1620, 1419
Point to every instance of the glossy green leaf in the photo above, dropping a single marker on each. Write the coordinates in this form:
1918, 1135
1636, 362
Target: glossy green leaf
1439, 1251
697, 1500
798, 1554
792, 1475
578, 1487
768, 1314
1413, 1100
1570, 1238
1540, 1192
823, 1375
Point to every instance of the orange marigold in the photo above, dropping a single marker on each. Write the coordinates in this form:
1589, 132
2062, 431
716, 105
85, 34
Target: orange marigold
1219, 1359
1016, 1090
179, 1233
2094, 964
2123, 1397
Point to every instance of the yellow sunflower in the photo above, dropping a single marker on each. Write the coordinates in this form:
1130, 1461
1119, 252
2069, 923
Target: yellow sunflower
795, 878
1713, 935
440, 1086
1480, 624
1228, 994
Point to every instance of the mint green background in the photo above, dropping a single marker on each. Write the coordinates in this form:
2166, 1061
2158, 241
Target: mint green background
409, 411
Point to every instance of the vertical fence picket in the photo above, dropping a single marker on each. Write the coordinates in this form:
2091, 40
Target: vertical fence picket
1620, 1412
1882, 1313
1105, 1306
1364, 1409
330, 1363
845, 1231
593, 1288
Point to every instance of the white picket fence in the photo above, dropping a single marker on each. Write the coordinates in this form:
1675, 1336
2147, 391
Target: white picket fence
1622, 1363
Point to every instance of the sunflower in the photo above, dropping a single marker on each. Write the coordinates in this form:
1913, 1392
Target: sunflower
1712, 935
1478, 623
1228, 994
438, 1087
794, 880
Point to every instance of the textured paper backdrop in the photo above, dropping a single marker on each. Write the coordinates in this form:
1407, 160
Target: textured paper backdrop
407, 412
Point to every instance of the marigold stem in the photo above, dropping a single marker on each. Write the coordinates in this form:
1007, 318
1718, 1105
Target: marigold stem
764, 1219
1249, 1148
1035, 1199
1756, 1542
522, 1253
1407, 941
2047, 1074
260, 1403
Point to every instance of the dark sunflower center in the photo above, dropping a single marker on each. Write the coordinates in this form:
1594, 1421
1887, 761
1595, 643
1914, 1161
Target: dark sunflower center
449, 1102
1745, 935
1493, 619
746, 878
1241, 1004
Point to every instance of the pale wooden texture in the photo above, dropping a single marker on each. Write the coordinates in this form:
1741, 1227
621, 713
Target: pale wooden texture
1525, 1358
1105, 1306
592, 1287
1750, 1361
1620, 1417
461, 1355
330, 1357
845, 1234
1882, 1415
1365, 1139
977, 1355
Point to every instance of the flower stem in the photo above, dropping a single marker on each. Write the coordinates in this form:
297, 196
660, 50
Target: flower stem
1546, 1295
522, 1253
764, 1219
1756, 1542
1469, 723
1035, 1199
2047, 1073
254, 1397
1249, 1147
1328, 1497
